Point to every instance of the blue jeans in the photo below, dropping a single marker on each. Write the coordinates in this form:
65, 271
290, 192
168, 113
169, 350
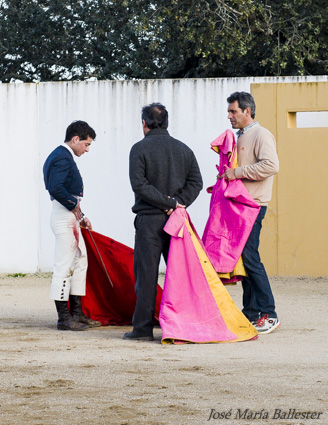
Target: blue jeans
257, 298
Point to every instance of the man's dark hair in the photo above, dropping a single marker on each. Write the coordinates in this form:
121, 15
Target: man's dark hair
81, 129
245, 100
155, 116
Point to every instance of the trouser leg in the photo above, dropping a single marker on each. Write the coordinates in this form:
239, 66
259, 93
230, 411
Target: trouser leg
250, 310
257, 298
70, 265
150, 242
78, 280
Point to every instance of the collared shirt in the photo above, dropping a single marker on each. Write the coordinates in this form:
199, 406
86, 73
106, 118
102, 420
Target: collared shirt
69, 148
246, 129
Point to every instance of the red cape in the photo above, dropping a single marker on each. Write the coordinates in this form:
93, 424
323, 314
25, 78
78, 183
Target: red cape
110, 262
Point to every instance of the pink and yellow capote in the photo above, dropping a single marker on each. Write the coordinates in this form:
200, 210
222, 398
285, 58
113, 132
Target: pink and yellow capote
195, 306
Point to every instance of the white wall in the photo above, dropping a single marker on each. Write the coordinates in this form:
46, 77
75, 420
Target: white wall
19, 178
33, 119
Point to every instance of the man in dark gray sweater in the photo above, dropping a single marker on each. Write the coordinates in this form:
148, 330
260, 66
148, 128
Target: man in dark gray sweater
164, 175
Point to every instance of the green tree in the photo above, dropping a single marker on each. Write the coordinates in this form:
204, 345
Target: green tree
54, 40
34, 42
237, 38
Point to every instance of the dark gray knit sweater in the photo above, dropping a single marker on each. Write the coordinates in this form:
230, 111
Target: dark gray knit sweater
163, 171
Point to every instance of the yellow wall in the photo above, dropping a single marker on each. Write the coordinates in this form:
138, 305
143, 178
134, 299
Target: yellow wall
294, 240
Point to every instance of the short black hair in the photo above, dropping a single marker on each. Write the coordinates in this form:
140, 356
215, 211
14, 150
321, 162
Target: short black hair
81, 129
155, 116
245, 100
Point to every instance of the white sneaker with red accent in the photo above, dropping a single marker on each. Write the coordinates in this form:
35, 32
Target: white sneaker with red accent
266, 324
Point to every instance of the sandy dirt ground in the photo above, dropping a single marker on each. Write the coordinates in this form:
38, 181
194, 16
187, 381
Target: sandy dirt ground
94, 377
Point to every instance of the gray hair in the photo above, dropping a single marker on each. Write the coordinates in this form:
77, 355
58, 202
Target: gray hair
245, 100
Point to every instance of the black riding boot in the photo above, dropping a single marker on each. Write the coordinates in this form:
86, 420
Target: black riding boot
77, 313
65, 321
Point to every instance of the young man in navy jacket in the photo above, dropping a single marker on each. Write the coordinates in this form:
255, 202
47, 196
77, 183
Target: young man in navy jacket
64, 183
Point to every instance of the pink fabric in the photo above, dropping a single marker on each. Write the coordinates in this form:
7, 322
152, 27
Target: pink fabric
226, 144
188, 309
232, 213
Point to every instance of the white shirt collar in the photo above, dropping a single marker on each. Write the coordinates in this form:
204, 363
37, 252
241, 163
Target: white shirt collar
246, 129
69, 148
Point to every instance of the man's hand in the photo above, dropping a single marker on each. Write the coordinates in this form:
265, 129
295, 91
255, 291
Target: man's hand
86, 223
169, 212
77, 211
229, 174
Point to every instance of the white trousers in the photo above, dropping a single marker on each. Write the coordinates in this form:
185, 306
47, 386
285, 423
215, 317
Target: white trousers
71, 262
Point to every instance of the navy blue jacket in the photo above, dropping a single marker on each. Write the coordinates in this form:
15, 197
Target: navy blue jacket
62, 177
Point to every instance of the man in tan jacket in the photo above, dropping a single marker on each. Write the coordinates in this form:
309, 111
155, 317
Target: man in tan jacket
257, 164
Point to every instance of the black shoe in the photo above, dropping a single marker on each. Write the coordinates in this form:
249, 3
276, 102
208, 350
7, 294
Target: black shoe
133, 336
77, 313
